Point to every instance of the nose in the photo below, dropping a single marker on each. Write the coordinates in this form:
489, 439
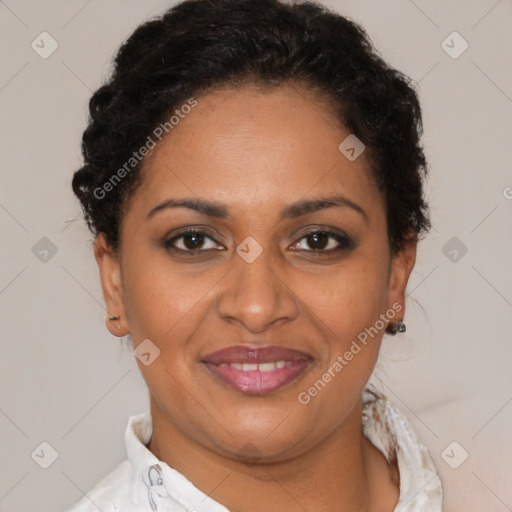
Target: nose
256, 295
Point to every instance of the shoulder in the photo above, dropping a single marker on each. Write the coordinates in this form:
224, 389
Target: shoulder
109, 494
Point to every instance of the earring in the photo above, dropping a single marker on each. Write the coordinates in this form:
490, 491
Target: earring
395, 327
115, 317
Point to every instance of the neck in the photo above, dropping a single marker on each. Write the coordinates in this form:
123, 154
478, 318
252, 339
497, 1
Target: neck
344, 472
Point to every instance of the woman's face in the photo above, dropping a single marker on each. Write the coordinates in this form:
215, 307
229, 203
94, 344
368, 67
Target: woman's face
249, 276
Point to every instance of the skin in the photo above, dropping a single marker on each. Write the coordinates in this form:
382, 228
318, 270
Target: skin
257, 151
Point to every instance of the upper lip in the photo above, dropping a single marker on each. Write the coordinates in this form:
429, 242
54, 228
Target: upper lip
255, 354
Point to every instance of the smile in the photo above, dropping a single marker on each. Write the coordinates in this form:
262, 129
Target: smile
257, 370
261, 367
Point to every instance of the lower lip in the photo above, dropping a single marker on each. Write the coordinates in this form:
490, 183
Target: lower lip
256, 382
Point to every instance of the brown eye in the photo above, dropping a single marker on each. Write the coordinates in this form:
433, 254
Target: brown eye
318, 240
323, 241
192, 240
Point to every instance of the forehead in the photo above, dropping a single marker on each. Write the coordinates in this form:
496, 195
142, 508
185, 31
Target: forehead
258, 148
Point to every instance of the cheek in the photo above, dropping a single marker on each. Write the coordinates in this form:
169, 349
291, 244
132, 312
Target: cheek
351, 297
348, 305
161, 301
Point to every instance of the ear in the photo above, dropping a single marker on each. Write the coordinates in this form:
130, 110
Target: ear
111, 284
402, 264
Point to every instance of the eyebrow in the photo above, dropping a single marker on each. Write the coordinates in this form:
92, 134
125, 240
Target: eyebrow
292, 211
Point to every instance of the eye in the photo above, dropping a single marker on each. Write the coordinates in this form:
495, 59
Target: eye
191, 240
324, 241
319, 241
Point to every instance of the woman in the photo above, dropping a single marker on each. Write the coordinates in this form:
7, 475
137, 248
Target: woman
253, 178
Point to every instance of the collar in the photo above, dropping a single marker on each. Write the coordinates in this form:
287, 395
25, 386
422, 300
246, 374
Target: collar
155, 483
390, 431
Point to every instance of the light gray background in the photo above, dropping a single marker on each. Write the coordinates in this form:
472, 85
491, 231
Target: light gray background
65, 380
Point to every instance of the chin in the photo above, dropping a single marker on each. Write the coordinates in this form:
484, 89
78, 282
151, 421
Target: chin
266, 438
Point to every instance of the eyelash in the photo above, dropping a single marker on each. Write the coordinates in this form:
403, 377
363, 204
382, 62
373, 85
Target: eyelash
343, 241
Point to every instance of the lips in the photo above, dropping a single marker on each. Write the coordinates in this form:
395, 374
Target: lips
257, 370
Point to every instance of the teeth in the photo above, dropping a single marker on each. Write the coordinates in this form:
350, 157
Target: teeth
267, 367
261, 367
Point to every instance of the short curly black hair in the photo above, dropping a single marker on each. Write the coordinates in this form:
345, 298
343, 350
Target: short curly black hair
199, 45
